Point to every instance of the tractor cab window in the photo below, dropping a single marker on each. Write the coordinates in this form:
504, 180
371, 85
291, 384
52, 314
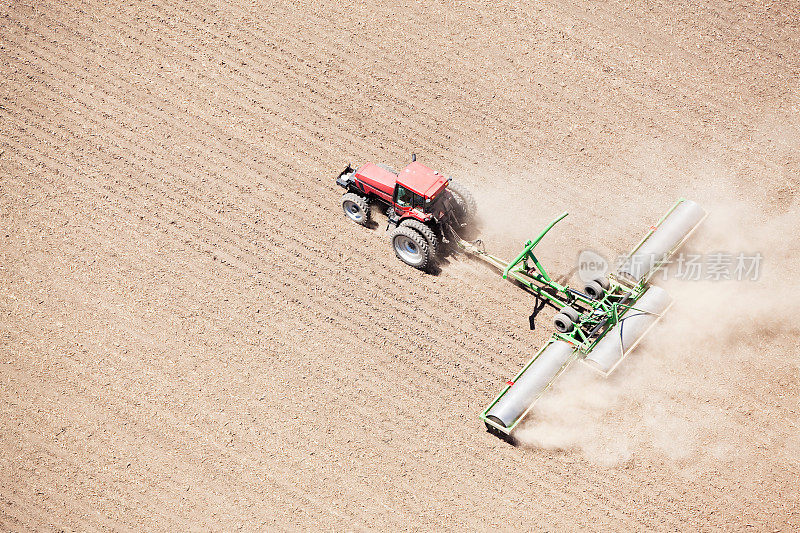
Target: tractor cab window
404, 197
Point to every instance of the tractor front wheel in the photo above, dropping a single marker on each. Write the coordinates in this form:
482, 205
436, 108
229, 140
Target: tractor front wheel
410, 247
356, 208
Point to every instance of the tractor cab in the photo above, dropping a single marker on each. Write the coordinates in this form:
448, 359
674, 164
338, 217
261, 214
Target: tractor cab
416, 190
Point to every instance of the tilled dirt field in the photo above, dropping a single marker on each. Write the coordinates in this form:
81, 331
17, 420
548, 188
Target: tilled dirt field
193, 336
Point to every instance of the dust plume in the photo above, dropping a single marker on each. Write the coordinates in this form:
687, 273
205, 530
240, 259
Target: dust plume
687, 392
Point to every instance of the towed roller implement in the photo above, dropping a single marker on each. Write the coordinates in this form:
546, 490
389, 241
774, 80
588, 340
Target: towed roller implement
600, 324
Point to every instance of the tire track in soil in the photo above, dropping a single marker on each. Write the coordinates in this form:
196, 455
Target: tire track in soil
233, 241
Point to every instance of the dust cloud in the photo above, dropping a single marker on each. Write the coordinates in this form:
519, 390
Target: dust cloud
685, 393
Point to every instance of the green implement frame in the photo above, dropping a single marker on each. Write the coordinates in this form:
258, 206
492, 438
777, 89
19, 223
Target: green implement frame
596, 314
594, 318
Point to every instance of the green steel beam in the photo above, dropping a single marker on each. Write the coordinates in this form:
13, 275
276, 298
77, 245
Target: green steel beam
530, 245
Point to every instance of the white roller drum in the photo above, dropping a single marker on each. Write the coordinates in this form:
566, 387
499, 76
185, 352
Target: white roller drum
663, 241
527, 388
634, 324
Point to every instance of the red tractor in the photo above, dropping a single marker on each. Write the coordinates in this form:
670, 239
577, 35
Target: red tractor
423, 206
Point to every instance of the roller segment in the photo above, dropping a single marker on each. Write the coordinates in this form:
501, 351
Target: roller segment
663, 241
631, 328
530, 384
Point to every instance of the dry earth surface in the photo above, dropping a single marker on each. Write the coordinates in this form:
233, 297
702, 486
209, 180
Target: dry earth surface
192, 336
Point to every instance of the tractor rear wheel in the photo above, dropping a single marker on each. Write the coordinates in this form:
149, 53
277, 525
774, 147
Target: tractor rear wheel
356, 208
466, 202
425, 231
410, 247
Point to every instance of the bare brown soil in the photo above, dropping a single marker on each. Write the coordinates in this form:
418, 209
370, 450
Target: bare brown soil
193, 336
